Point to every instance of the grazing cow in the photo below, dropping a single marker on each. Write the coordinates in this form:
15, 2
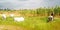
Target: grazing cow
4, 16
11, 15
18, 19
51, 17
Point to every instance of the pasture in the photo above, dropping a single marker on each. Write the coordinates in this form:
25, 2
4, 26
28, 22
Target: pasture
33, 20
33, 23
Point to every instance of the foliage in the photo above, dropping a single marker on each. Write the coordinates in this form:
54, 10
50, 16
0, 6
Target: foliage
38, 11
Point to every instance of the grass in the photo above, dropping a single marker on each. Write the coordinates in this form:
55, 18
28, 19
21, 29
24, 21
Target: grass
33, 23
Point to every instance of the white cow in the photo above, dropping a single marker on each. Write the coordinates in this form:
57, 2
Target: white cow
18, 19
50, 18
4, 16
11, 15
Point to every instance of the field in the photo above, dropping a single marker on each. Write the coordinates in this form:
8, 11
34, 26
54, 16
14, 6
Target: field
34, 20
31, 23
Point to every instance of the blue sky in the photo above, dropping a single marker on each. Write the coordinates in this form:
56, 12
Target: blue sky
28, 4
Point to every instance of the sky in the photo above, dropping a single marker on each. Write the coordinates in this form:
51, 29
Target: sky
27, 4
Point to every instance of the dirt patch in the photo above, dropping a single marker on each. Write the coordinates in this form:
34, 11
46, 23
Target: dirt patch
10, 27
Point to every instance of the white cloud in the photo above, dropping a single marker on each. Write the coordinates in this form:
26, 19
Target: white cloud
17, 4
20, 4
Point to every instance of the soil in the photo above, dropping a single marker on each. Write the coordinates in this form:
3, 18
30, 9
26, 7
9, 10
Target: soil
10, 27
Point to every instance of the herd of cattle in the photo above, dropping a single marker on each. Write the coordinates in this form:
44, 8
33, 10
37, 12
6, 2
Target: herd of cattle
18, 19
12, 16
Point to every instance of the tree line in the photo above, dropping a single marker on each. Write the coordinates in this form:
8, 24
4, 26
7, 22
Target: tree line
38, 11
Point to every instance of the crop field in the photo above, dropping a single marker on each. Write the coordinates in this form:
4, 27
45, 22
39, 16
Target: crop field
33, 20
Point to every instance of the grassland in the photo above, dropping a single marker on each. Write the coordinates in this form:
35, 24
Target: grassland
34, 19
33, 23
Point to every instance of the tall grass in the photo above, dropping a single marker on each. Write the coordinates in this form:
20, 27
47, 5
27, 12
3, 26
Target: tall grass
34, 19
36, 12
33, 23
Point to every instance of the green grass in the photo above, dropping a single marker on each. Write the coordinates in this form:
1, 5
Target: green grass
33, 23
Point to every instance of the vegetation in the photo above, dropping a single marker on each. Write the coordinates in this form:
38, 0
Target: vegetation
33, 23
39, 11
35, 19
